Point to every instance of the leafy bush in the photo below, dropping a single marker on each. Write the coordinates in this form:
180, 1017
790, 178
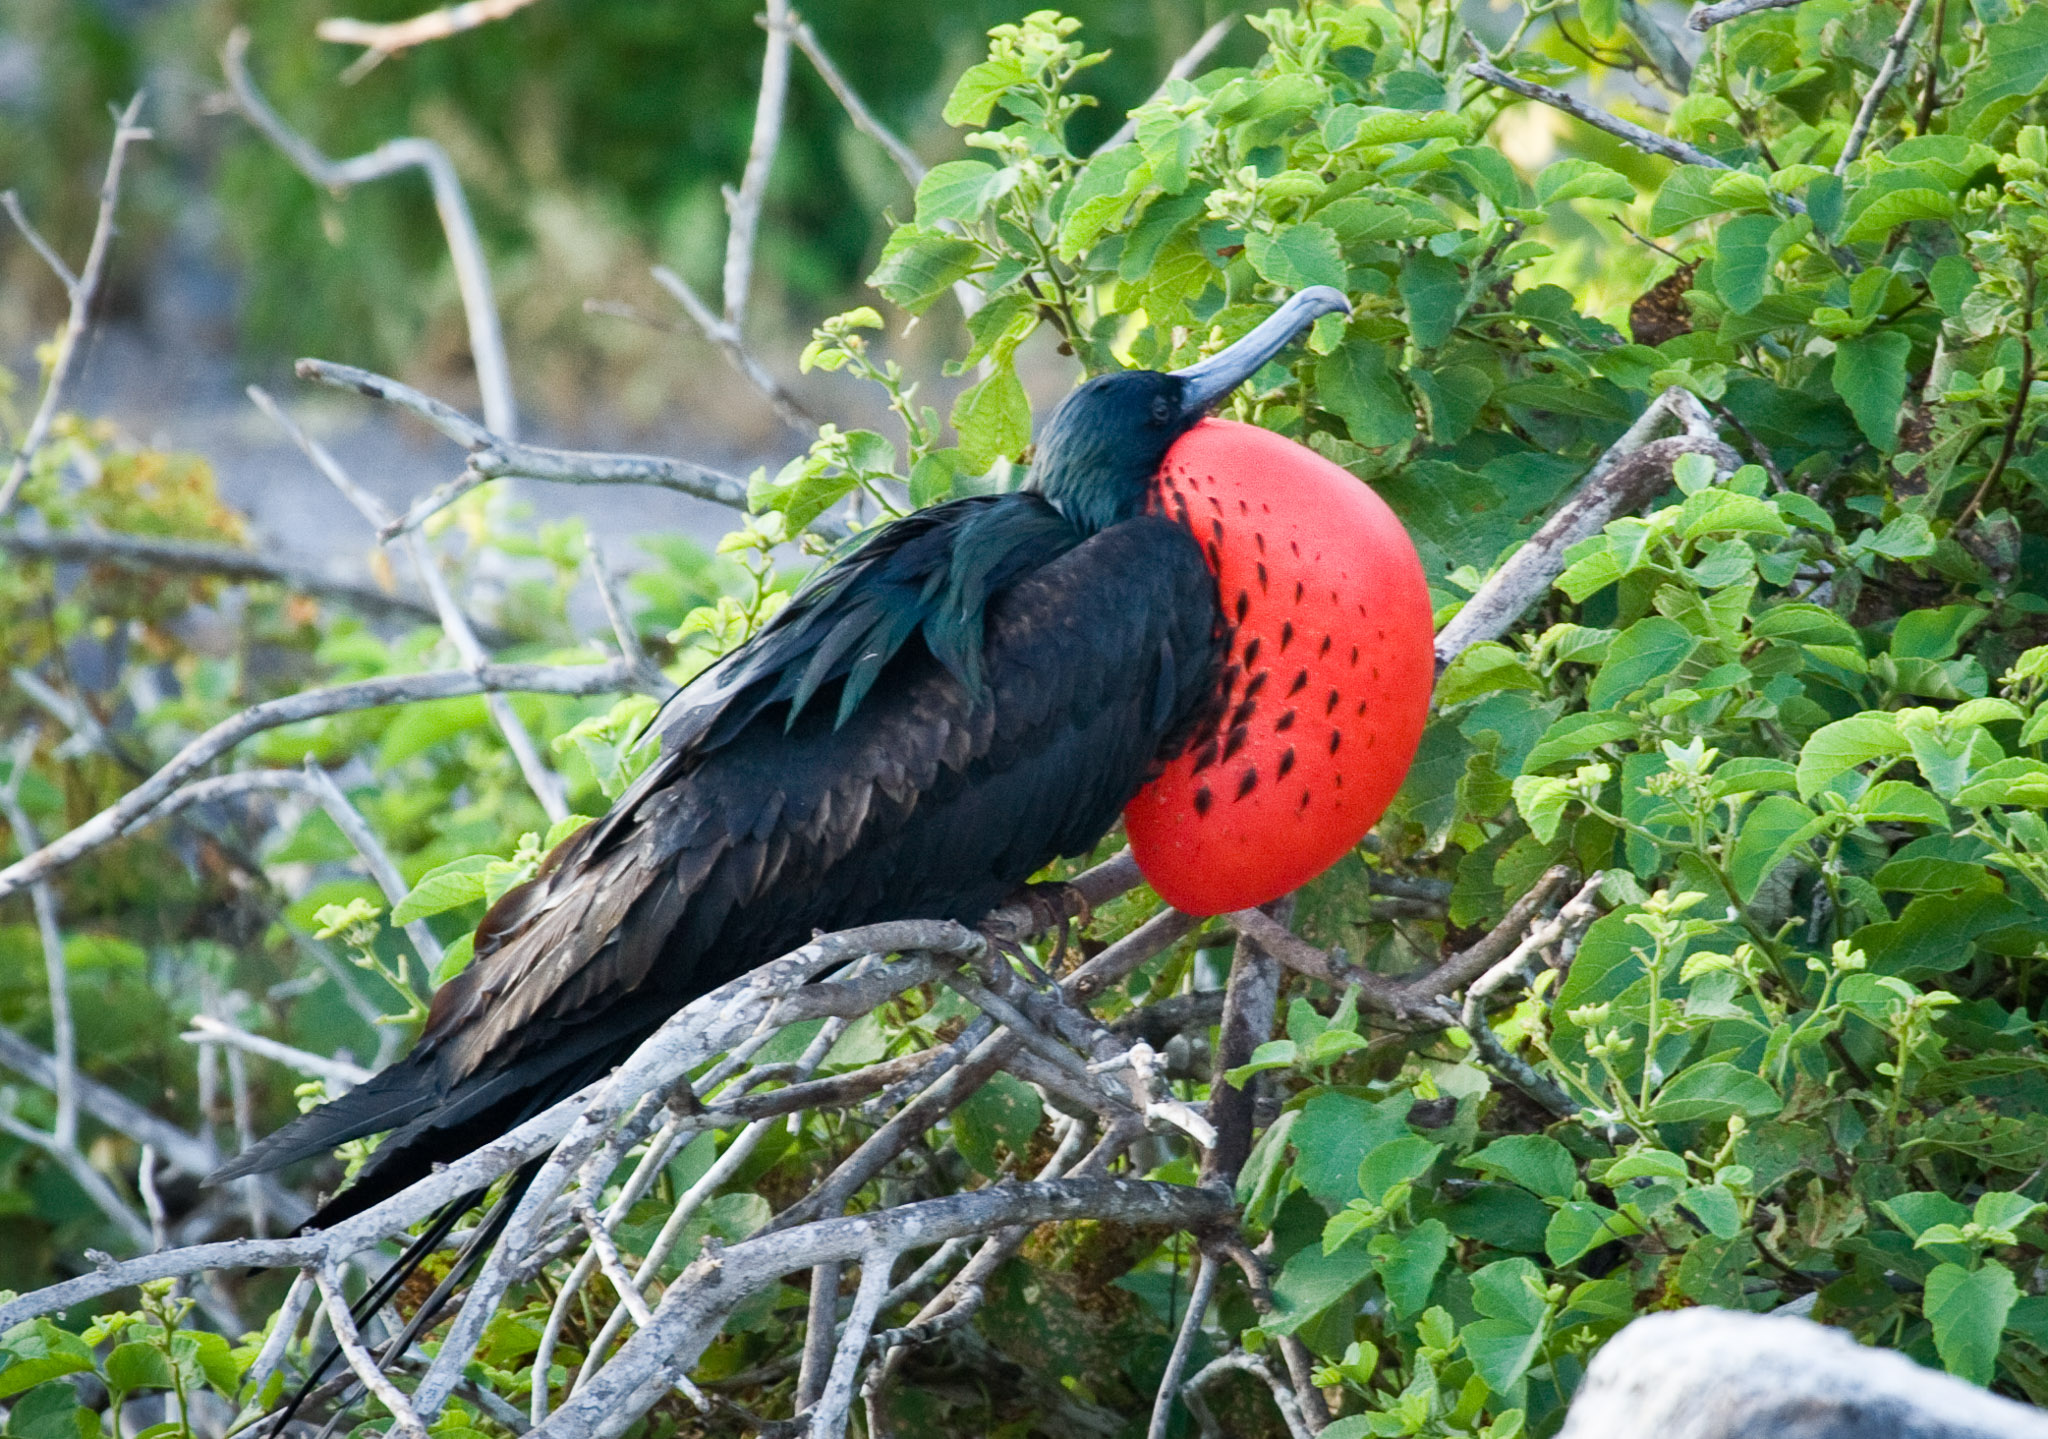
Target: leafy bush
1791, 717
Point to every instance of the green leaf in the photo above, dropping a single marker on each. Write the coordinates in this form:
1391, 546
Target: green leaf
25, 1374
1170, 142
1772, 829
2010, 781
1684, 197
1896, 207
1371, 125
1434, 292
1354, 382
1648, 650
136, 1366
1834, 749
1541, 801
2003, 1210
1936, 933
215, 1358
1581, 180
1535, 1161
1716, 1209
1359, 221
1870, 376
1502, 1346
918, 266
1899, 802
1099, 199
960, 190
1748, 774
1581, 1226
51, 1411
1935, 634
1408, 1264
993, 419
1714, 1091
979, 87
1576, 736
1312, 1281
1273, 1054
2015, 68
445, 887
1259, 1183
454, 959
931, 478
1742, 260
1967, 1309
1398, 1161
419, 727
1005, 1110
1334, 1134
1298, 256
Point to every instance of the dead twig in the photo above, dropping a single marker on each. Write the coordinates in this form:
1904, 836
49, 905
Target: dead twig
383, 39
1633, 471
465, 250
1894, 52
80, 289
1708, 16
140, 803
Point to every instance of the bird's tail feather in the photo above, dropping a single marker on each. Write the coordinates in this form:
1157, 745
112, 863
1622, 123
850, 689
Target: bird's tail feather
393, 1279
388, 1099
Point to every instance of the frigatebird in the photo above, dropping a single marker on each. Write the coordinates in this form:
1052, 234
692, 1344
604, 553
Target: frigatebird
1199, 620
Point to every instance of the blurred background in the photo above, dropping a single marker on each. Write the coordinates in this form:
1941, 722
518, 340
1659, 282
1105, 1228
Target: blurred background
593, 138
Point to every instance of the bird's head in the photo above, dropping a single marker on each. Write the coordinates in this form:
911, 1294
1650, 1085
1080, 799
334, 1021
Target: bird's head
1100, 454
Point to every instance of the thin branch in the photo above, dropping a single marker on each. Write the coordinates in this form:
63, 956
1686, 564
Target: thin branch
141, 802
1708, 16
609, 1262
11, 202
81, 290
828, 1417
205, 1029
152, 1202
692, 1309
1894, 52
1570, 922
1648, 141
147, 553
56, 976
465, 250
864, 119
1930, 95
1288, 1402
493, 457
1190, 61
382, 40
1661, 50
725, 335
349, 820
743, 206
1249, 1002
647, 674
1203, 1290
87, 1178
335, 1305
1634, 470
546, 785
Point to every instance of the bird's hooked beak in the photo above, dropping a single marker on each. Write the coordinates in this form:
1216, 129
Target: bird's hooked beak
1208, 381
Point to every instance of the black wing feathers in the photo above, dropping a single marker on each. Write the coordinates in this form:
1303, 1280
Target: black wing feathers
1012, 686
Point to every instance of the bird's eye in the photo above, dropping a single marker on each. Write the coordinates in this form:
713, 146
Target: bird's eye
1162, 411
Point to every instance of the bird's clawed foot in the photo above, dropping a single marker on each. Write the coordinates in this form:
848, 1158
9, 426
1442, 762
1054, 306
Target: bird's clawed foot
1036, 909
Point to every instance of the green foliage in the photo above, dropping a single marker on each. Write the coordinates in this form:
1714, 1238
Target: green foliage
1793, 715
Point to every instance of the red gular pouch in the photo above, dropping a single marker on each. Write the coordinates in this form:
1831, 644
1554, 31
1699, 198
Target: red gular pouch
1327, 680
